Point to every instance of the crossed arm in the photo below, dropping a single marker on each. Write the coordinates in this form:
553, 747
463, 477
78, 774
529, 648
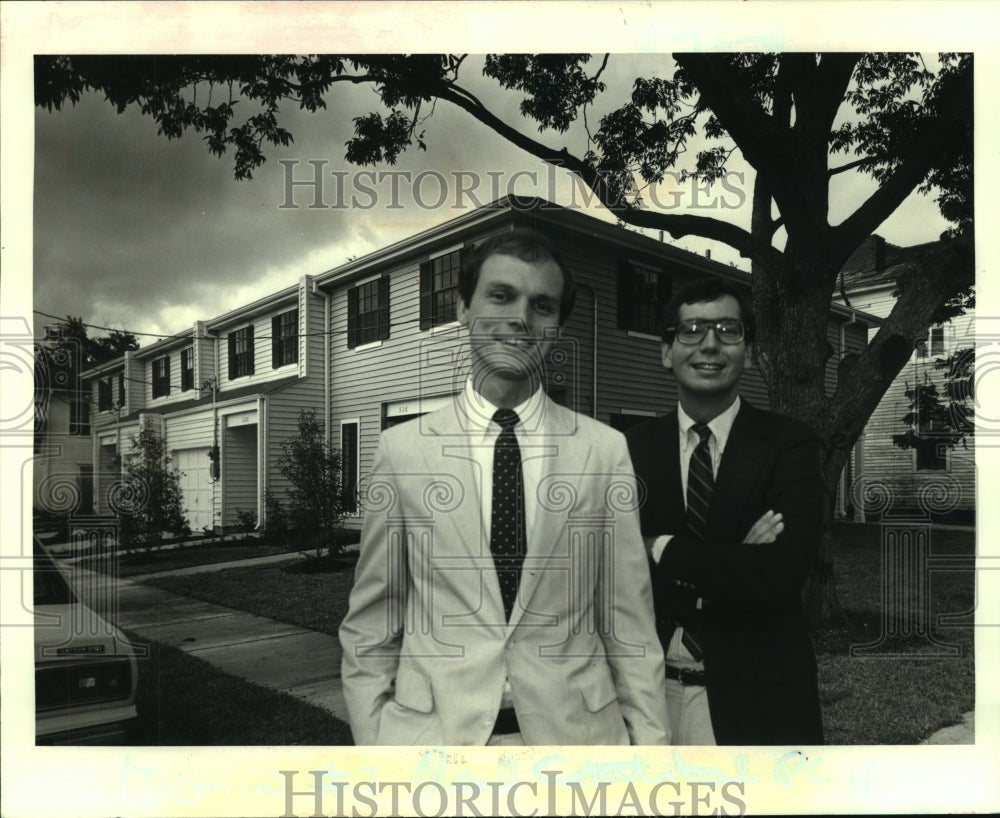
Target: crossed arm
769, 564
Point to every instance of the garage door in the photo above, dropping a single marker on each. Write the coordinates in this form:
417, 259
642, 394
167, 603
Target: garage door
197, 486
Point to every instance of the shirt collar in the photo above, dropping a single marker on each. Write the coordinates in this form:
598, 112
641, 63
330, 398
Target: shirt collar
720, 425
479, 411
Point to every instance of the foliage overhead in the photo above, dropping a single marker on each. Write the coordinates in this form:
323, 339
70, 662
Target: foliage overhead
888, 110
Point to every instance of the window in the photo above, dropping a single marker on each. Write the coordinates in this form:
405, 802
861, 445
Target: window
285, 339
104, 395
79, 417
439, 288
241, 352
931, 448
187, 369
642, 292
121, 388
349, 465
934, 342
161, 376
368, 312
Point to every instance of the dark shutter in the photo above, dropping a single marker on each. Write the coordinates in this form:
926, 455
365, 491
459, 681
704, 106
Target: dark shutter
626, 295
383, 308
426, 299
352, 317
232, 355
275, 342
250, 361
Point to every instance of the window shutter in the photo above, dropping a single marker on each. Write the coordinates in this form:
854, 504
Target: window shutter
232, 355
626, 295
352, 317
250, 361
426, 300
383, 308
275, 342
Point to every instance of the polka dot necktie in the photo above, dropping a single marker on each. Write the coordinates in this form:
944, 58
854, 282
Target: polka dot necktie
507, 528
701, 483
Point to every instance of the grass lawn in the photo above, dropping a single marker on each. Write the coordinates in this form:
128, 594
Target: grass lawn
179, 695
872, 699
902, 690
197, 553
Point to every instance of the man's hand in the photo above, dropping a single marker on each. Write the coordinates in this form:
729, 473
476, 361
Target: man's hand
765, 530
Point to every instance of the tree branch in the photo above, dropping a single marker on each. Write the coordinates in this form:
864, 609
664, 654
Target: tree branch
907, 176
933, 279
849, 166
835, 72
761, 141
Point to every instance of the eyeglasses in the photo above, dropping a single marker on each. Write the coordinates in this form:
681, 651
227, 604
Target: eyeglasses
727, 330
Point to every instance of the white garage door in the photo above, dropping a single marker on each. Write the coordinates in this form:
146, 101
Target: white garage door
197, 485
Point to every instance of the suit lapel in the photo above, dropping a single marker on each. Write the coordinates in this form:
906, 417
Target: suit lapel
668, 459
738, 469
561, 452
448, 450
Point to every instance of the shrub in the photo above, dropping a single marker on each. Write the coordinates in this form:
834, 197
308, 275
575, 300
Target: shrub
148, 498
246, 520
313, 507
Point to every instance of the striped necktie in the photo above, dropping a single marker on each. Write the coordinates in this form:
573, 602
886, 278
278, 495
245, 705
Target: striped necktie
701, 482
507, 527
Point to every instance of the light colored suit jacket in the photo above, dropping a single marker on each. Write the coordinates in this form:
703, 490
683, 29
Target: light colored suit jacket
426, 647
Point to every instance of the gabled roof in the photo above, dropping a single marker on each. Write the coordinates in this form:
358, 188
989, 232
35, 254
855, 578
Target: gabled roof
877, 263
514, 209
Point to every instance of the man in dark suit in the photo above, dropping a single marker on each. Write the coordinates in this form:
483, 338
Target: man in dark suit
731, 521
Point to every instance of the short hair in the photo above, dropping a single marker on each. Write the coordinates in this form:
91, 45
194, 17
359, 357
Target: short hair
528, 246
701, 290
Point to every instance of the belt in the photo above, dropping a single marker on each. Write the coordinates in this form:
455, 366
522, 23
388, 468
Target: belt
506, 722
686, 676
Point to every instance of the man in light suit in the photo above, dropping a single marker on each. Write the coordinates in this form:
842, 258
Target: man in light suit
732, 515
502, 594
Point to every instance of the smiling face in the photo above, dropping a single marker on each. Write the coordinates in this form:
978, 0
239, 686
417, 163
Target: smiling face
707, 372
513, 320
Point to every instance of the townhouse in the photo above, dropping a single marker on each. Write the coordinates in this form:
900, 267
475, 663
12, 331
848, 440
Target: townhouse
375, 342
222, 394
931, 474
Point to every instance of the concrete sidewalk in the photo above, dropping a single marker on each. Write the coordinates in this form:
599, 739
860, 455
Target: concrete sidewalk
276, 655
303, 663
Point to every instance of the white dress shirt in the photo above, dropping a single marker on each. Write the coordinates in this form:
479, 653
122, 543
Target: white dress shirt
532, 440
530, 431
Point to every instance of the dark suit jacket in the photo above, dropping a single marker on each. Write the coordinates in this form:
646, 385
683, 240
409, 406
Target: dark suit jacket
760, 665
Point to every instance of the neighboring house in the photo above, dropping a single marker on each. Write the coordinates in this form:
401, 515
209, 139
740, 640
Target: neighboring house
63, 464
931, 475
396, 350
376, 343
223, 394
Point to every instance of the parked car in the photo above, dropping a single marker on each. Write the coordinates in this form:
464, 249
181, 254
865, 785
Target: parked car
85, 670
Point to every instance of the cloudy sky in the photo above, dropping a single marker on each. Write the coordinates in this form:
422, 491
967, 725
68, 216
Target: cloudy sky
136, 232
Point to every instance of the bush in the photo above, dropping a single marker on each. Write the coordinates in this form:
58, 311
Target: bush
148, 499
313, 507
246, 520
